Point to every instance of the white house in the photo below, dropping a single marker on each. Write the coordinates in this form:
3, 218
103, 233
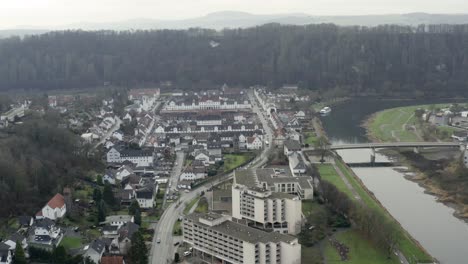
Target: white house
123, 172
109, 177
190, 174
202, 155
54, 209
46, 232
145, 197
297, 164
119, 220
254, 142
140, 157
291, 146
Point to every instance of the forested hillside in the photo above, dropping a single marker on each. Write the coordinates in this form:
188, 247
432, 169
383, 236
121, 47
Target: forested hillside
38, 159
390, 60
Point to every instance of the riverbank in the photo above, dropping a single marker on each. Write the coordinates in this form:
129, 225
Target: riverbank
355, 189
393, 120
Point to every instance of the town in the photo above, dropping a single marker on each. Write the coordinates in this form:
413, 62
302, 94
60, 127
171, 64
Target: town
225, 161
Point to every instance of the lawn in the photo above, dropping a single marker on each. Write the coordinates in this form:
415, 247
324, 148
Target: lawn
232, 161
406, 244
71, 242
388, 124
190, 205
361, 251
328, 173
311, 138
177, 228
311, 255
202, 206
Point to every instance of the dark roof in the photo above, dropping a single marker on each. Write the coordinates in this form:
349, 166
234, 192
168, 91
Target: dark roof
24, 220
127, 230
16, 237
98, 245
4, 247
44, 223
292, 145
110, 228
146, 193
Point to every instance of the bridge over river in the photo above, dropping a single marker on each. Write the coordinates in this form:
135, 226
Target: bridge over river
381, 145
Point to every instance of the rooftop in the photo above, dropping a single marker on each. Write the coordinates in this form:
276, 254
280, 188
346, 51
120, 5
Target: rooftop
242, 232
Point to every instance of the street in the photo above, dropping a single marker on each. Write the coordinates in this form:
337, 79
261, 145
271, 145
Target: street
109, 133
163, 252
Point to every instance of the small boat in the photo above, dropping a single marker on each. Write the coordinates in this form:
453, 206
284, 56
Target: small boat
325, 110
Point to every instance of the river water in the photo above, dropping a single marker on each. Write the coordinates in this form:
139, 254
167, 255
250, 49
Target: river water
431, 223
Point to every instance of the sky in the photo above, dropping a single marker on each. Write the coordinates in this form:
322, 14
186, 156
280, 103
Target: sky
47, 13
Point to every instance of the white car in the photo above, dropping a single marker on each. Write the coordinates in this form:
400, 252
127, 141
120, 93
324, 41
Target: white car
187, 253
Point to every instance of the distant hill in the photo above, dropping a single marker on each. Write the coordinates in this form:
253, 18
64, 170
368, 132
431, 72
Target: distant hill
234, 19
20, 32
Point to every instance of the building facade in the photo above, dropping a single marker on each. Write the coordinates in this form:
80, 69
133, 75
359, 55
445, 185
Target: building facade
217, 239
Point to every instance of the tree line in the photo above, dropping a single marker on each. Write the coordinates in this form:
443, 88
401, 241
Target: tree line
385, 60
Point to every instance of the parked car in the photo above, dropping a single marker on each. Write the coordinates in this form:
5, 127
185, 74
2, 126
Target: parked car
176, 243
187, 253
158, 240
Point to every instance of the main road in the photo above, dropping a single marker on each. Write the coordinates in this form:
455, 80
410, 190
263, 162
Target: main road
163, 252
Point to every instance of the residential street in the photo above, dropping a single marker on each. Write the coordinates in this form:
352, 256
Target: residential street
109, 133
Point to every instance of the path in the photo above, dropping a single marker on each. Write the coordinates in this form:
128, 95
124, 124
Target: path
347, 183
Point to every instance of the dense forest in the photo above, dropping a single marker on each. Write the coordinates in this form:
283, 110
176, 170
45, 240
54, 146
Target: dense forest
385, 60
38, 159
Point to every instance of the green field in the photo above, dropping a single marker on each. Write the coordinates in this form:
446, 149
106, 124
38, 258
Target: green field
361, 251
71, 242
232, 161
389, 125
328, 173
406, 244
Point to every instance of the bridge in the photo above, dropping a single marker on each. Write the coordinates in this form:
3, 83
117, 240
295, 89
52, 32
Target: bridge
397, 145
415, 145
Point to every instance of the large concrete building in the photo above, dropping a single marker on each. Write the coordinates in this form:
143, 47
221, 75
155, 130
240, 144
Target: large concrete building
270, 198
217, 239
270, 211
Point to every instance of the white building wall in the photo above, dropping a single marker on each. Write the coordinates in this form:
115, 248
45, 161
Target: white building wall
290, 253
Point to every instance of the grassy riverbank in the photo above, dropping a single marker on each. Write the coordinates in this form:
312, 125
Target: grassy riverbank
400, 124
408, 246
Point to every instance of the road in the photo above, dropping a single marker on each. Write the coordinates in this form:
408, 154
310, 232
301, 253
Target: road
163, 252
175, 173
109, 133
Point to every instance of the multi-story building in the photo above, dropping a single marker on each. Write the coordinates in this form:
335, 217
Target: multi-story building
270, 198
217, 239
271, 211
141, 157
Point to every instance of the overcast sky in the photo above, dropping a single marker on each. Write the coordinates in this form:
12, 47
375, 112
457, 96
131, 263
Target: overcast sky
14, 13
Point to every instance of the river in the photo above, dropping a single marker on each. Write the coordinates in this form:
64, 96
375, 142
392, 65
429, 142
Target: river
443, 235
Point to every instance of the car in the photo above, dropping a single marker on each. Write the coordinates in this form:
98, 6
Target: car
158, 240
187, 253
187, 191
176, 243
